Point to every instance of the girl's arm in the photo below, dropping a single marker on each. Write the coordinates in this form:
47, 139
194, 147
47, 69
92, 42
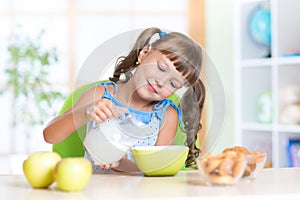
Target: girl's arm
64, 125
167, 133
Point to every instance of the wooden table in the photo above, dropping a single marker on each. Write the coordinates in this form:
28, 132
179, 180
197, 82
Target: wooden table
282, 183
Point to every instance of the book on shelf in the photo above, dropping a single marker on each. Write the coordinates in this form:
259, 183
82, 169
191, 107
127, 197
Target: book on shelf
294, 152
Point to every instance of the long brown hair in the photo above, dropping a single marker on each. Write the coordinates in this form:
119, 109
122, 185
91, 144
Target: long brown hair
186, 56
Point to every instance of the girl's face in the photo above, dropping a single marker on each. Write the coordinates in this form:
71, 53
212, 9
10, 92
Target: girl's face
156, 77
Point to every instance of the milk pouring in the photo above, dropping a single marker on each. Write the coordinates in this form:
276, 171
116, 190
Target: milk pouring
109, 141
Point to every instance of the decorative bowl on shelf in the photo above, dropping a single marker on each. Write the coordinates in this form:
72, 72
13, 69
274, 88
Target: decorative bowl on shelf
223, 169
160, 160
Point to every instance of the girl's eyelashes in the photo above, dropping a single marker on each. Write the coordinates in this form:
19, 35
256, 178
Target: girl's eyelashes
161, 67
174, 84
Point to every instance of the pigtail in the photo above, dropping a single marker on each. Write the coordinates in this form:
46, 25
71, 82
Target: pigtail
125, 64
192, 106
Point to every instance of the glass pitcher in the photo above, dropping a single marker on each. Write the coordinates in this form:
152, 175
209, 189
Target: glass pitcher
109, 141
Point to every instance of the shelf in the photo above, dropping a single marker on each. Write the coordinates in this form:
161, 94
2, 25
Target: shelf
257, 127
252, 1
289, 60
289, 128
271, 127
258, 62
263, 81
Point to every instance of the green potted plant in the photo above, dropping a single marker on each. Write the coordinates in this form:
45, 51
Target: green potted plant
28, 72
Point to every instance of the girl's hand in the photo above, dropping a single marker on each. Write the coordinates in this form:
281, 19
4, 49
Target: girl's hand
113, 165
100, 111
110, 166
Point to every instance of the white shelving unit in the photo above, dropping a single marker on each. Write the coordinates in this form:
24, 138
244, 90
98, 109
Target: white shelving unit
256, 74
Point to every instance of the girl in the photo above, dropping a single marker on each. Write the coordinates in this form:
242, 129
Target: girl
141, 82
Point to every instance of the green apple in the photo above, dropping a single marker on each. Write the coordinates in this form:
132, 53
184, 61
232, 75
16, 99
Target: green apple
73, 174
38, 168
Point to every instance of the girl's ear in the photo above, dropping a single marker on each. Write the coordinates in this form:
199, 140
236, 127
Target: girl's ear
143, 52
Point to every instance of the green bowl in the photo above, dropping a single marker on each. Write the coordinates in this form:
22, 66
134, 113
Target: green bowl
160, 160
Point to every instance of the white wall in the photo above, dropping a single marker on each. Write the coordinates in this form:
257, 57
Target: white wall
219, 45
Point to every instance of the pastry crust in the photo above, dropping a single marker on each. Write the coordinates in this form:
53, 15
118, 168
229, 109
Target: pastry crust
253, 158
221, 180
224, 168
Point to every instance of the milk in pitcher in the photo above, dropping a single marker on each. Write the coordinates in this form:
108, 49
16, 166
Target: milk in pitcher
105, 143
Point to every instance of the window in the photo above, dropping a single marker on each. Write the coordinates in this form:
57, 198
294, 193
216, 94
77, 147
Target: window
76, 28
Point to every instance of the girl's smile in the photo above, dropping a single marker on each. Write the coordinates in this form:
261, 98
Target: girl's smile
151, 88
